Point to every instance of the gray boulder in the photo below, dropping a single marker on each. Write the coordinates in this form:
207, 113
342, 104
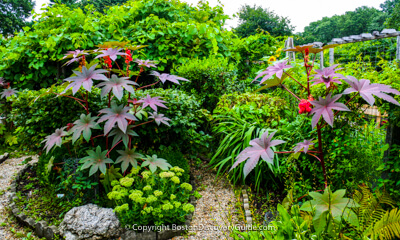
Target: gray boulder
90, 222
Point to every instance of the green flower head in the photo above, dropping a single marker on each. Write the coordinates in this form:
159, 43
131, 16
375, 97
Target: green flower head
146, 174
167, 206
157, 193
172, 197
120, 209
175, 180
187, 186
166, 174
187, 207
147, 188
151, 198
126, 182
136, 195
177, 169
177, 204
114, 183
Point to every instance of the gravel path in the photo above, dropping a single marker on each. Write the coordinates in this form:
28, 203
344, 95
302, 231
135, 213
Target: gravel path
7, 171
216, 211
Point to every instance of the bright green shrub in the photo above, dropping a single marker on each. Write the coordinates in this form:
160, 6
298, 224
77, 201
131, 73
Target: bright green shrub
209, 78
173, 31
148, 198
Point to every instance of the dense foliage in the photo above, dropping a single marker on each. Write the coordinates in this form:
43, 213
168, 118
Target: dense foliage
255, 19
13, 14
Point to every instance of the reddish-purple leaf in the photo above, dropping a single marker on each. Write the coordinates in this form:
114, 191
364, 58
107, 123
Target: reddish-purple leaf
8, 92
271, 70
121, 135
152, 102
116, 84
128, 157
84, 126
327, 76
325, 108
167, 77
303, 145
85, 78
54, 139
260, 148
2, 81
145, 63
96, 161
112, 53
159, 118
366, 90
116, 115
74, 54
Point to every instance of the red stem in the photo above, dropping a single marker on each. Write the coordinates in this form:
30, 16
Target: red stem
148, 85
294, 79
290, 92
113, 147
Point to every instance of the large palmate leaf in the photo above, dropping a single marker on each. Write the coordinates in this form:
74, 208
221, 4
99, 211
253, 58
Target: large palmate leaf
154, 162
152, 102
327, 76
331, 203
325, 108
119, 134
84, 126
111, 52
2, 81
366, 90
159, 118
128, 157
75, 53
96, 161
168, 77
85, 78
54, 139
146, 63
260, 148
116, 115
272, 70
8, 92
116, 84
303, 145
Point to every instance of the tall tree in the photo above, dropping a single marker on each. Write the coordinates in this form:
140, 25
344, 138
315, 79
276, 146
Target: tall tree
253, 18
100, 5
13, 14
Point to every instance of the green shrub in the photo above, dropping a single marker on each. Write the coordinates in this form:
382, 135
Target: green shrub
187, 120
209, 78
173, 31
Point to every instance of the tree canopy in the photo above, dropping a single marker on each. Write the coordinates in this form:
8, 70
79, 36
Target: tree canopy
13, 14
256, 18
100, 5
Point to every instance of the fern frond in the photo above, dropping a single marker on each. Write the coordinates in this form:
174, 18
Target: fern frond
388, 227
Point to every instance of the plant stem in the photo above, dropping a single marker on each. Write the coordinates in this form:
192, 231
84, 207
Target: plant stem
290, 92
321, 154
148, 85
143, 123
294, 79
113, 147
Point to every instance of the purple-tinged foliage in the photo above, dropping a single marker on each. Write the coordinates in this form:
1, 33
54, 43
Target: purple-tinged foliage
74, 54
85, 78
168, 77
327, 76
260, 148
83, 126
152, 102
8, 92
325, 108
112, 53
120, 135
128, 157
145, 63
96, 160
116, 115
366, 90
116, 84
2, 81
153, 162
159, 118
54, 139
303, 145
272, 70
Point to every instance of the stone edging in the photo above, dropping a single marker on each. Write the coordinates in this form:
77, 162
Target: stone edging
4, 157
246, 207
49, 232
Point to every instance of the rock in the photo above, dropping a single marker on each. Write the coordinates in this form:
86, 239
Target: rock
132, 235
40, 227
50, 232
90, 222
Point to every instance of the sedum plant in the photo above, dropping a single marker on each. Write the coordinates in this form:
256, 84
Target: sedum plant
145, 198
321, 112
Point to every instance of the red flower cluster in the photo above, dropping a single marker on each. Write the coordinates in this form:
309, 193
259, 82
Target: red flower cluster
128, 57
305, 105
107, 60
